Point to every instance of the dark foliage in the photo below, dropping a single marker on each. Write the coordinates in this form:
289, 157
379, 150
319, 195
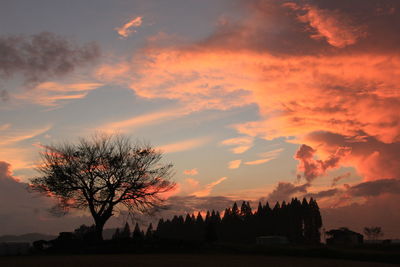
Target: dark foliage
299, 222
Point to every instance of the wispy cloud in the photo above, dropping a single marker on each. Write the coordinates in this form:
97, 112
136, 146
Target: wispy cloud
11, 136
128, 28
4, 126
184, 145
257, 162
266, 157
10, 149
143, 120
191, 172
51, 93
208, 188
272, 153
241, 144
234, 164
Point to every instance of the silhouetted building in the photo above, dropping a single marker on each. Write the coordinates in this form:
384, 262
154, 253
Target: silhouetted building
344, 236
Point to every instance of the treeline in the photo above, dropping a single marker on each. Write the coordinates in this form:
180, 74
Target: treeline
298, 221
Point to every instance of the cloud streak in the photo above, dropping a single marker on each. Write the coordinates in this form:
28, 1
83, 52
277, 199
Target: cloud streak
184, 145
258, 161
143, 120
129, 28
208, 188
241, 144
52, 93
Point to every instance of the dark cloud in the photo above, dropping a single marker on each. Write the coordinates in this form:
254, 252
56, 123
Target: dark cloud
364, 189
323, 194
42, 56
376, 188
312, 27
267, 26
312, 168
373, 158
285, 191
340, 177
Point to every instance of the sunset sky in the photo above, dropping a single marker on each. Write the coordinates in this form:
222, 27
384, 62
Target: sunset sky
249, 99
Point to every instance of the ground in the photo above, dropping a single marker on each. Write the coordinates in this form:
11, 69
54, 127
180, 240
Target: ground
191, 260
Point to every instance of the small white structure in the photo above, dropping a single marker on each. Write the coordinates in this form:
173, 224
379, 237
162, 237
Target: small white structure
272, 240
14, 248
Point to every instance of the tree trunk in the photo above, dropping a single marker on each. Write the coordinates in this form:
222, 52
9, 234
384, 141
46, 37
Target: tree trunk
99, 230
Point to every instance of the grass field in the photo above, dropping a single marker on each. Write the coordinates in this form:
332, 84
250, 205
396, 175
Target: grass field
187, 260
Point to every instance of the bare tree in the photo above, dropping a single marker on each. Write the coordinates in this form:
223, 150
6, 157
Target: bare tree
373, 232
103, 174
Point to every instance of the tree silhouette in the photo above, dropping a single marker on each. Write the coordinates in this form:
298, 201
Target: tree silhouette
102, 174
126, 232
299, 222
373, 232
84, 232
116, 235
138, 235
149, 232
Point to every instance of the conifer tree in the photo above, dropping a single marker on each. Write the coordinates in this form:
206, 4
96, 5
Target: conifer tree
126, 232
137, 235
116, 235
235, 210
150, 232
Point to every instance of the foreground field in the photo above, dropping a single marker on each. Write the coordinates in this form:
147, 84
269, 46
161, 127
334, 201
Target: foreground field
175, 260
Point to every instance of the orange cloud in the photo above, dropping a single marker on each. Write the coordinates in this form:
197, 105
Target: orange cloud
12, 136
191, 172
128, 28
296, 95
192, 182
50, 93
258, 162
117, 73
343, 93
19, 157
143, 120
272, 154
208, 188
184, 145
266, 157
313, 168
333, 26
242, 144
234, 164
5, 126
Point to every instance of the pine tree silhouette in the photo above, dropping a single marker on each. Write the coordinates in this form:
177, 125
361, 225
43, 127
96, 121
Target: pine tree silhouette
299, 222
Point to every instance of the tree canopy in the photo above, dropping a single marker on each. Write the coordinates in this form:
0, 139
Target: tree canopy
103, 174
